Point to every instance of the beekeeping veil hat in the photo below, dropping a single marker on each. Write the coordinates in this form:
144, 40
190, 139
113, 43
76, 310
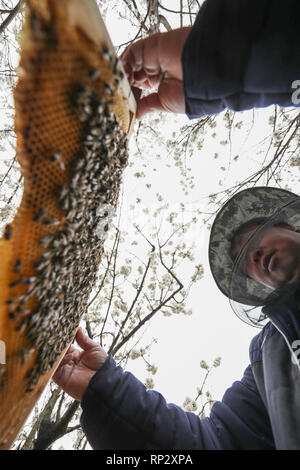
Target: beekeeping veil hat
271, 206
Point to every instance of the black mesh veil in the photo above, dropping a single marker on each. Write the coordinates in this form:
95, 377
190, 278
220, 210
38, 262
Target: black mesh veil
257, 295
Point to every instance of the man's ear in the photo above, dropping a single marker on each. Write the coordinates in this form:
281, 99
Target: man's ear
286, 226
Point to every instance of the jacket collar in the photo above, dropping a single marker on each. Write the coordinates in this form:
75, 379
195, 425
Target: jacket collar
285, 314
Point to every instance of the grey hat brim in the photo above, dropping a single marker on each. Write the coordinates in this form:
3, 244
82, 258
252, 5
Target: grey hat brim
248, 204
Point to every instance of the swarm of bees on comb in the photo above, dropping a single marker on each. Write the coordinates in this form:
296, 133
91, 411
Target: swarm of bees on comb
73, 113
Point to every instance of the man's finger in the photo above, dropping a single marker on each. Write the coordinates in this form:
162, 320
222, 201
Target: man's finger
143, 55
149, 103
84, 341
63, 373
133, 55
68, 356
70, 350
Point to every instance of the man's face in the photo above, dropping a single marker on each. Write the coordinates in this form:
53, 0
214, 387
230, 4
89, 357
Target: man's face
273, 256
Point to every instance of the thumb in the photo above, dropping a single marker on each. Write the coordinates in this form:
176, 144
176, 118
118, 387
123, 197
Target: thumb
84, 341
149, 103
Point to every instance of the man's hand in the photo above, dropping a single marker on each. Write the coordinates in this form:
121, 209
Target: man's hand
155, 63
78, 367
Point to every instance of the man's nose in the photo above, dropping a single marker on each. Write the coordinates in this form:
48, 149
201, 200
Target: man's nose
256, 255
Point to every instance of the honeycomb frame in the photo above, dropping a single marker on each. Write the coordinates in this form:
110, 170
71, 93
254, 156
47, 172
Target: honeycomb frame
74, 111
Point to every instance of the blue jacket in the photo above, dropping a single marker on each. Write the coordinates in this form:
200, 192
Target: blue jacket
261, 411
239, 54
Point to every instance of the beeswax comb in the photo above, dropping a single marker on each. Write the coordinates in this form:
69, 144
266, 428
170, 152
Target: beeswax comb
74, 111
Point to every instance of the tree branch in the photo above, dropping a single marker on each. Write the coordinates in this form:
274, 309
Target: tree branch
176, 11
11, 16
163, 20
106, 271
113, 285
44, 415
139, 290
154, 311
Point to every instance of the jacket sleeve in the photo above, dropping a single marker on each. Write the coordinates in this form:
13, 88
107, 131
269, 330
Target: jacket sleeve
120, 414
242, 54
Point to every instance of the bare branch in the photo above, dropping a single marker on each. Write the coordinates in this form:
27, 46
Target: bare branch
154, 311
72, 428
11, 16
133, 8
113, 285
163, 20
176, 11
139, 290
8, 171
60, 406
